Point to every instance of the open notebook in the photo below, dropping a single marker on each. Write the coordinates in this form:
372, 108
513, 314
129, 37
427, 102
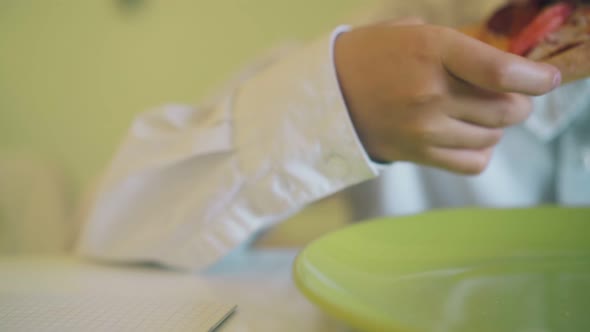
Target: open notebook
78, 312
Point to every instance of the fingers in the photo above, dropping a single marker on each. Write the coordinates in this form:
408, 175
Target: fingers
498, 111
487, 67
469, 162
456, 134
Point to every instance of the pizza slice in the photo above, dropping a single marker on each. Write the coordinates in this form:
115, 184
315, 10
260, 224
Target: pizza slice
556, 32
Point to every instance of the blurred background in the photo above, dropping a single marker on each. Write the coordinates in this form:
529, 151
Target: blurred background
74, 73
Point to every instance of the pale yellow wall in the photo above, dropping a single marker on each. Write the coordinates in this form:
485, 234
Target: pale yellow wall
74, 72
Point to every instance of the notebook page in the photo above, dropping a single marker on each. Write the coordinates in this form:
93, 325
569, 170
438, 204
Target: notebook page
81, 312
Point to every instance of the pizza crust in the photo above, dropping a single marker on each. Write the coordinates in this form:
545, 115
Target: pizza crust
574, 63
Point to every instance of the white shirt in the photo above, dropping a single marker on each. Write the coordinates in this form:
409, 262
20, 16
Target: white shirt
190, 184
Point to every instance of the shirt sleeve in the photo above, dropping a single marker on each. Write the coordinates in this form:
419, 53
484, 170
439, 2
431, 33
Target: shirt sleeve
189, 184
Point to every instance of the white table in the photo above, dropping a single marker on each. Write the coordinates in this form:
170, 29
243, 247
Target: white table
259, 282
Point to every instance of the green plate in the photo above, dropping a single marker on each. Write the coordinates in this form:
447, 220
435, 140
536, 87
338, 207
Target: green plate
476, 270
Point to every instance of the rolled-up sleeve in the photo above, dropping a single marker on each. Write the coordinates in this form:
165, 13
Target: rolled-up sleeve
189, 184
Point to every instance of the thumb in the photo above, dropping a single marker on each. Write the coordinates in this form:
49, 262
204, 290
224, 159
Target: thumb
490, 68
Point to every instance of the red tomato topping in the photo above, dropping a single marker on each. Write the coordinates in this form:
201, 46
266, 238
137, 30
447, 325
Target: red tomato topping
549, 20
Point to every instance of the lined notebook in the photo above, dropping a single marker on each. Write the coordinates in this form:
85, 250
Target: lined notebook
73, 312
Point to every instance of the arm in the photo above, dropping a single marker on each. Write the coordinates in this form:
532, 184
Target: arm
190, 184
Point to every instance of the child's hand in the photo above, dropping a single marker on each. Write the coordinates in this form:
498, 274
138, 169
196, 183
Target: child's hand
434, 96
